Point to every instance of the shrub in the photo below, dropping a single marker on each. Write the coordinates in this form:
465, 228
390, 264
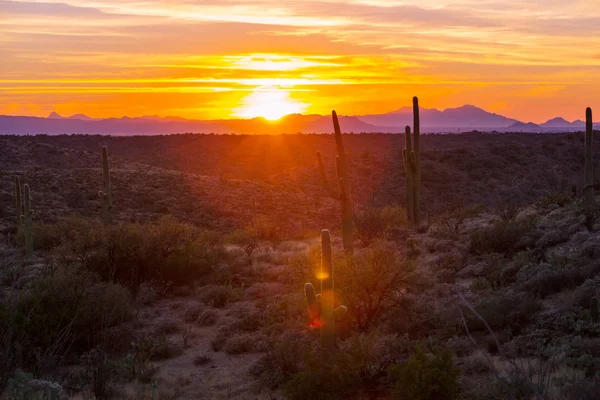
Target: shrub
374, 223
503, 311
133, 254
247, 238
219, 296
371, 283
504, 236
558, 197
426, 377
207, 318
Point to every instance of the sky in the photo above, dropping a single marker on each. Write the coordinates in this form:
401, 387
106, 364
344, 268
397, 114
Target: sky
210, 59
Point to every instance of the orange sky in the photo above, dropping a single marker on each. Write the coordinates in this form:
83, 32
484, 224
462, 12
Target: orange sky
527, 59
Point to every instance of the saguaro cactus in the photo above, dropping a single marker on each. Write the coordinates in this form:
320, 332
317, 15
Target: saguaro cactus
343, 192
411, 155
320, 306
18, 200
105, 194
27, 222
588, 186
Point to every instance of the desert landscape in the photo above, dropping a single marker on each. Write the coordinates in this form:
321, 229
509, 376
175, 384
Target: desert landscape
299, 200
182, 275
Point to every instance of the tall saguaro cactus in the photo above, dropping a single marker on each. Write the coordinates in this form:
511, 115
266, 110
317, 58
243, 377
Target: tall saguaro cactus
588, 187
411, 155
343, 191
18, 200
320, 306
105, 194
27, 221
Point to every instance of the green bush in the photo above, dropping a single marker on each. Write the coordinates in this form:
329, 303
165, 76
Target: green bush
426, 377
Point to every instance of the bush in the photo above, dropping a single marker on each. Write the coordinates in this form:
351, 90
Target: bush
133, 254
346, 372
219, 296
504, 236
374, 223
426, 377
67, 309
247, 238
503, 311
371, 283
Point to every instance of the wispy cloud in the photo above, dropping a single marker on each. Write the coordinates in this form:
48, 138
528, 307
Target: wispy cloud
355, 55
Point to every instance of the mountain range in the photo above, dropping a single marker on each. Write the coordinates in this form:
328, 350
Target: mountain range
465, 118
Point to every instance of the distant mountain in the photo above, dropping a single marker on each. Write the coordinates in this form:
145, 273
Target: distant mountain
81, 117
156, 126
465, 117
558, 123
458, 119
54, 115
525, 127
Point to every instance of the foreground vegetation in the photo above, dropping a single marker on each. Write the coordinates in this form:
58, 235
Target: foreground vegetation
481, 302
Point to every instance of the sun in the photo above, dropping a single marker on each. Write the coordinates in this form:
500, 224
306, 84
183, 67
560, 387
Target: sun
270, 103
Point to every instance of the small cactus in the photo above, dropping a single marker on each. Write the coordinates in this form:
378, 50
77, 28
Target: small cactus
105, 194
411, 155
18, 200
343, 192
27, 218
320, 306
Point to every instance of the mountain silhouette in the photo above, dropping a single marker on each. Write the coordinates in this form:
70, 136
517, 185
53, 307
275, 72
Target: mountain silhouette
450, 120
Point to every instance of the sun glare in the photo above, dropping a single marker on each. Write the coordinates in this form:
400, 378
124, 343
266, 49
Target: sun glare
270, 103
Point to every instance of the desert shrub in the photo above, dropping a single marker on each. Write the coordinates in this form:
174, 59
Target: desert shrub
100, 371
558, 197
347, 372
247, 238
426, 377
154, 348
132, 254
553, 280
219, 296
207, 318
504, 236
23, 386
503, 311
266, 229
202, 359
374, 223
372, 283
244, 343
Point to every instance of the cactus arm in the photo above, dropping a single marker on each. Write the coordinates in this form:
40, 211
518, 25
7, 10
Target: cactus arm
312, 302
326, 185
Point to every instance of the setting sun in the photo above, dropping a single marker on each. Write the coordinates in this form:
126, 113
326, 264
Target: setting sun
269, 102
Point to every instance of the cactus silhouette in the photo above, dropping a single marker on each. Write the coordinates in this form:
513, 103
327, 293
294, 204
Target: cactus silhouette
105, 194
411, 156
343, 192
320, 306
27, 218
